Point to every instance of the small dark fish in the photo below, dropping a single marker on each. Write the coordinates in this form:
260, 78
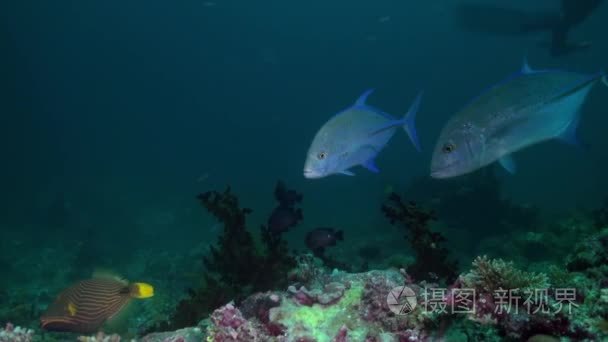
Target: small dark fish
286, 196
87, 305
283, 218
320, 238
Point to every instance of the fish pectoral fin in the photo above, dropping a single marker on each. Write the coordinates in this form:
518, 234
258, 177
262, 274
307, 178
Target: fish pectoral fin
347, 173
508, 164
569, 135
371, 165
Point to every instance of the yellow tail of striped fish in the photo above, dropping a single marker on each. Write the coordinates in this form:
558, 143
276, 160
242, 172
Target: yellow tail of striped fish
142, 290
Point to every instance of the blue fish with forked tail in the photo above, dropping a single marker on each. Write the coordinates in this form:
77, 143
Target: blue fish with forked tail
530, 107
354, 137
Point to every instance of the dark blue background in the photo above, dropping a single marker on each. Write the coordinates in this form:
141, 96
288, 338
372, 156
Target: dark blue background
123, 105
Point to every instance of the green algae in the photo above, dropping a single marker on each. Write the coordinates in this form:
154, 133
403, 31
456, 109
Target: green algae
322, 322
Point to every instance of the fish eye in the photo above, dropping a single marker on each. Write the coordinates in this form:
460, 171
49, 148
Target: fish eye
448, 148
322, 155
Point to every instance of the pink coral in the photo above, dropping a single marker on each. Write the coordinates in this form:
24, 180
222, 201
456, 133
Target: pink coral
230, 325
258, 306
342, 335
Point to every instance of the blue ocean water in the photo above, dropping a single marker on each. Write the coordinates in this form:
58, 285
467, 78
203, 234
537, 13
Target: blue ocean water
123, 111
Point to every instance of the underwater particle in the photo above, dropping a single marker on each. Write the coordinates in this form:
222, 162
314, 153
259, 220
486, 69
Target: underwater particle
526, 109
384, 19
87, 305
202, 178
354, 137
320, 238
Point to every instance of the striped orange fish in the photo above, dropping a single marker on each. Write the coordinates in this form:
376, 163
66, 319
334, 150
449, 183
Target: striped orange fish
87, 305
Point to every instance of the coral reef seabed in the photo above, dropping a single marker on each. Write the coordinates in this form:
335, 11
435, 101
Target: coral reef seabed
262, 292
330, 305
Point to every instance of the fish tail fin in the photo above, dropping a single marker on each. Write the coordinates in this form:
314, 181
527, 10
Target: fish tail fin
142, 290
605, 79
409, 121
339, 235
101, 273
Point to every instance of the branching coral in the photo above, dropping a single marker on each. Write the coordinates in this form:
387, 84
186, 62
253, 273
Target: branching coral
236, 268
507, 298
489, 275
590, 255
432, 262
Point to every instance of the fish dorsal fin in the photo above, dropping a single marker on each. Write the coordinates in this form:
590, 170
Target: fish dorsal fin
361, 103
525, 67
362, 100
109, 275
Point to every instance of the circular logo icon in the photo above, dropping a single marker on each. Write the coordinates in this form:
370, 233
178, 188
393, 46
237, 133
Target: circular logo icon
401, 300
